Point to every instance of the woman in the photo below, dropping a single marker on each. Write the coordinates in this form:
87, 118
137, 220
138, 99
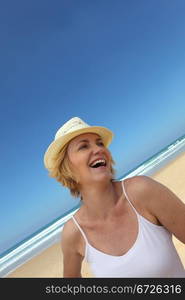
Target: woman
122, 229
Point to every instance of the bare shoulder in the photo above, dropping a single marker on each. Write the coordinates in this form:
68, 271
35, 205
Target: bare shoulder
149, 188
142, 190
136, 182
147, 191
138, 187
159, 201
70, 237
143, 186
139, 182
72, 258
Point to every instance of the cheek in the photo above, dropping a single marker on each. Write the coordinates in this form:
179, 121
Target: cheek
108, 154
71, 161
76, 161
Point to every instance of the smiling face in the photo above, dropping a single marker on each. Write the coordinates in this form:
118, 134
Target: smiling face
83, 151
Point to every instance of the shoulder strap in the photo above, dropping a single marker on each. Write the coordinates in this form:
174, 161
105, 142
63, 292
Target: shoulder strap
126, 195
82, 232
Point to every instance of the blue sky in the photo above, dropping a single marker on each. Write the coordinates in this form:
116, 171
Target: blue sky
118, 64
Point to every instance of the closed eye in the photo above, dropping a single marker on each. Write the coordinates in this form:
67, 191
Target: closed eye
85, 145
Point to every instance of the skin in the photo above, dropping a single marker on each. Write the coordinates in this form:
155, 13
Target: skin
106, 216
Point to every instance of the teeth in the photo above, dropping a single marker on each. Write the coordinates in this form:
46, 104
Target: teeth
98, 161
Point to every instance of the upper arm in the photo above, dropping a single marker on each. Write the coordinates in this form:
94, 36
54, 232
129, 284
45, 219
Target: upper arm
162, 203
72, 260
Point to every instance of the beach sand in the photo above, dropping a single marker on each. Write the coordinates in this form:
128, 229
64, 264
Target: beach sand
49, 262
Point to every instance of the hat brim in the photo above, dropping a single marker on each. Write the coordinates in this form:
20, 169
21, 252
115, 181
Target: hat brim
56, 146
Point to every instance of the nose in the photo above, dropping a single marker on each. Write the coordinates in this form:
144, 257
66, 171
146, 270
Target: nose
97, 149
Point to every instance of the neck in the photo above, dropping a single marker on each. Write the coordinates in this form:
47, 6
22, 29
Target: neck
100, 199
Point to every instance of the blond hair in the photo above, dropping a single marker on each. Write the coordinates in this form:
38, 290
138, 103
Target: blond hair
62, 172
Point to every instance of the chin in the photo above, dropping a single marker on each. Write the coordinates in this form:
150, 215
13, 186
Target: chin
102, 176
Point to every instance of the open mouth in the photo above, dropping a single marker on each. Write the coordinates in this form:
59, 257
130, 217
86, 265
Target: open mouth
99, 164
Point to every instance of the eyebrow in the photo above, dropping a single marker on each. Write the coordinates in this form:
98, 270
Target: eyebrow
87, 141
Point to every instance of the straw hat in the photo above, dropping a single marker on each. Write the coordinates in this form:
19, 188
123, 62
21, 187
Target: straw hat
70, 130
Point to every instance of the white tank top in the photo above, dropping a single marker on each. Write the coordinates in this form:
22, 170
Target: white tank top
152, 255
